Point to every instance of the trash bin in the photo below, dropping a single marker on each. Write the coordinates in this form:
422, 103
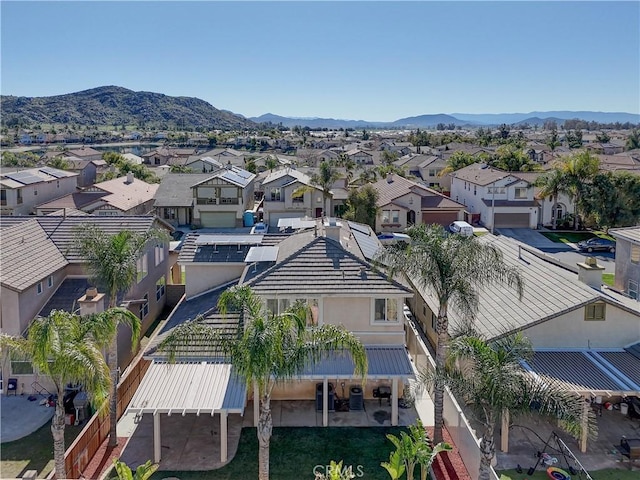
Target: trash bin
624, 408
319, 397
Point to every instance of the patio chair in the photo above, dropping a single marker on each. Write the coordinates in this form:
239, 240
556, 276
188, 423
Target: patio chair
12, 386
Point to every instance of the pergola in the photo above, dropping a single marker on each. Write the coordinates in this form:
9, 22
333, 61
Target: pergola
182, 388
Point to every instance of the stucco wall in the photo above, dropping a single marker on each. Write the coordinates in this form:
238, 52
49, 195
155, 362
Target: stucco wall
625, 269
200, 278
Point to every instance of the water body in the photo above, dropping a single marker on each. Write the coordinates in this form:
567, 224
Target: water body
138, 149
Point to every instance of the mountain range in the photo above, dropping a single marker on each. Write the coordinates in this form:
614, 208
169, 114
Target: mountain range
112, 105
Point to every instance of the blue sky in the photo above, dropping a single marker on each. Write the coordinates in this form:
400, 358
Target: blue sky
377, 61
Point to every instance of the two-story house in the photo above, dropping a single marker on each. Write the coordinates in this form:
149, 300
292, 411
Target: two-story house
43, 270
627, 276
289, 193
402, 203
22, 190
360, 157
85, 153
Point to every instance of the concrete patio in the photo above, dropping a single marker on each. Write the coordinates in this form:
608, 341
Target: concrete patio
20, 417
192, 442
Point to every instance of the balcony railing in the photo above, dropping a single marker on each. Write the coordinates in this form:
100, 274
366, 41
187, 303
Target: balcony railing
217, 201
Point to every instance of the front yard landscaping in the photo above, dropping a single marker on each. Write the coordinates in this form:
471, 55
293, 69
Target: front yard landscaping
295, 452
574, 237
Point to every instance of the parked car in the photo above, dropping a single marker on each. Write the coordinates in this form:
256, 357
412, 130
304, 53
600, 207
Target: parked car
463, 228
597, 244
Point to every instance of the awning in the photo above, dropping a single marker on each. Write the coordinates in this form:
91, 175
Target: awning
183, 388
384, 361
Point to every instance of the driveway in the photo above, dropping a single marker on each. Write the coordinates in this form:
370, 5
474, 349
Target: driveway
533, 238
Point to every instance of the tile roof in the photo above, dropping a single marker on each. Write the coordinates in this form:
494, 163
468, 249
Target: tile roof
175, 189
124, 195
323, 266
27, 255
439, 201
76, 200
481, 174
395, 186
294, 174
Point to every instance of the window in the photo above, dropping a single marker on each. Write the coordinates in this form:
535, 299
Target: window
19, 196
50, 281
170, 213
277, 306
521, 192
144, 307
142, 267
3, 196
635, 253
475, 190
35, 192
386, 216
276, 194
433, 172
39, 288
159, 254
632, 289
385, 310
395, 216
434, 321
21, 367
160, 286
595, 311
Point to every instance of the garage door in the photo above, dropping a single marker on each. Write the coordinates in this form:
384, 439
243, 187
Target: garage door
275, 216
512, 220
440, 218
218, 219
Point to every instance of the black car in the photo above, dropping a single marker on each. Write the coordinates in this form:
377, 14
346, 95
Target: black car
177, 235
597, 244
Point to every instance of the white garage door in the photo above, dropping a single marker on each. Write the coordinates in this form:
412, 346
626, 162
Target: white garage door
512, 220
218, 219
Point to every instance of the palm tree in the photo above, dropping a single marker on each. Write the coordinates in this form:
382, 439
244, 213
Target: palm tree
67, 348
271, 348
551, 184
491, 380
325, 178
578, 169
112, 264
633, 140
452, 267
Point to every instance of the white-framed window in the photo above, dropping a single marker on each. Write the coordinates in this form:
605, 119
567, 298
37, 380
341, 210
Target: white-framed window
386, 216
521, 192
635, 253
50, 281
21, 367
142, 267
632, 289
144, 307
433, 172
395, 216
160, 288
170, 213
278, 305
385, 310
159, 254
595, 311
39, 288
276, 194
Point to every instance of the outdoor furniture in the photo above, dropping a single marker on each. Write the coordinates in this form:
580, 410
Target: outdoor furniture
383, 391
630, 447
12, 386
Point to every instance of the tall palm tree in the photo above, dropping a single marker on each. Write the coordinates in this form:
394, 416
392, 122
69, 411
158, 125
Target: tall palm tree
491, 380
578, 169
67, 348
551, 184
452, 267
271, 348
325, 178
112, 264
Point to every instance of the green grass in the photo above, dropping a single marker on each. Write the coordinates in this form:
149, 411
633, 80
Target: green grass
574, 237
294, 452
608, 279
33, 452
607, 474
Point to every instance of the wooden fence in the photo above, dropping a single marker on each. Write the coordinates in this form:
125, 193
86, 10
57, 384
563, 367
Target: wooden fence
85, 446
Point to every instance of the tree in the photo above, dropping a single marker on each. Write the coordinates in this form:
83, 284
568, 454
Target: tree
67, 348
578, 170
325, 178
389, 157
268, 350
112, 264
603, 137
458, 160
270, 163
574, 138
633, 140
59, 163
490, 380
551, 184
180, 169
552, 140
612, 199
362, 205
452, 267
143, 472
511, 159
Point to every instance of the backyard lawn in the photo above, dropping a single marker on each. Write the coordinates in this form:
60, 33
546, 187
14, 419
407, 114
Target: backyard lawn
608, 474
34, 452
608, 279
574, 237
294, 452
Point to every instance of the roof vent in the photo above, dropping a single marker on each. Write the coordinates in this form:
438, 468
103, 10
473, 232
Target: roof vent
591, 261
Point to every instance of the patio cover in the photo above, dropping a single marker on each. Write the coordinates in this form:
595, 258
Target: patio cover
385, 361
189, 388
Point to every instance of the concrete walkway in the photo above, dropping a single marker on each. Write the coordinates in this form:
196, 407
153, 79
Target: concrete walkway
20, 417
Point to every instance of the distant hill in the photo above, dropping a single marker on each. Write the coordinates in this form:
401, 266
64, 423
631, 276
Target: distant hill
539, 121
559, 116
119, 106
429, 121
315, 122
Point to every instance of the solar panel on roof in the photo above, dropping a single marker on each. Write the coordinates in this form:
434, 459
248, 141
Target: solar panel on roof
262, 254
235, 178
207, 239
53, 172
25, 178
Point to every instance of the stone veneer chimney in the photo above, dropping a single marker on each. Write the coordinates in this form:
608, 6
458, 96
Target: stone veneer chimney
91, 302
332, 229
590, 272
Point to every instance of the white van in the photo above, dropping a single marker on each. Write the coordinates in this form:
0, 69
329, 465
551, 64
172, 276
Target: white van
463, 228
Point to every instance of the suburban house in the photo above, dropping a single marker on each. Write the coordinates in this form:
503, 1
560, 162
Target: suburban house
22, 190
168, 156
360, 157
216, 199
86, 170
85, 153
627, 276
581, 332
342, 288
402, 203
499, 199
121, 196
42, 270
288, 193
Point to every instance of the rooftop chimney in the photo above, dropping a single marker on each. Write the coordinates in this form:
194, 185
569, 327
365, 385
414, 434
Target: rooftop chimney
332, 229
590, 272
129, 177
91, 302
